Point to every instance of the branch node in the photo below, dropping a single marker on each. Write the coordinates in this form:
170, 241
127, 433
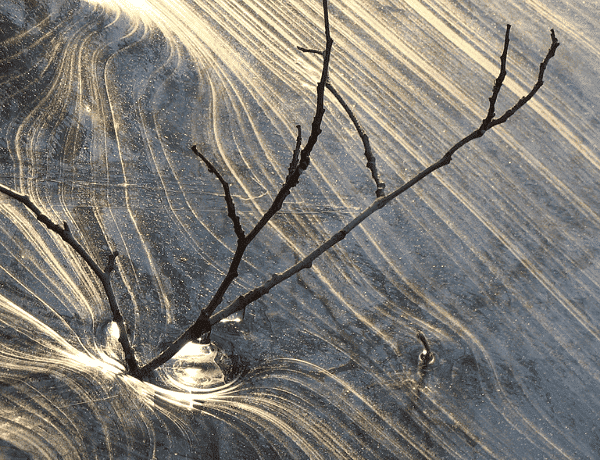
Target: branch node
201, 326
110, 265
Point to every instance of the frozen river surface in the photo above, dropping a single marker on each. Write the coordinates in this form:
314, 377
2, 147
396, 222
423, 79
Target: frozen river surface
496, 258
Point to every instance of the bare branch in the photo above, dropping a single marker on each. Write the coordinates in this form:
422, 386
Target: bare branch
239, 231
540, 81
309, 50
202, 326
254, 294
103, 275
296, 155
371, 164
499, 81
300, 162
426, 357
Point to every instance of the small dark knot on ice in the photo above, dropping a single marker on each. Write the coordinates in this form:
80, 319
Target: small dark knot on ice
426, 357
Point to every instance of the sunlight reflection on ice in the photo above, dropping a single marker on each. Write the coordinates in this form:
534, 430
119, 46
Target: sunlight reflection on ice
495, 260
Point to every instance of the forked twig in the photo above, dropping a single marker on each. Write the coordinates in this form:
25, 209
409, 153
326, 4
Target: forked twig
299, 163
540, 81
254, 294
371, 163
103, 275
237, 227
309, 50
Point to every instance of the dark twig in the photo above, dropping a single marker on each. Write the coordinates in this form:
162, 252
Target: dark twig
103, 275
250, 296
371, 163
365, 140
300, 161
110, 265
202, 326
296, 155
426, 357
327, 28
308, 50
540, 81
499, 81
239, 231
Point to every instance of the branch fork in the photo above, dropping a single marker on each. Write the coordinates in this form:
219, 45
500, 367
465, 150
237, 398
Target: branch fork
103, 275
299, 162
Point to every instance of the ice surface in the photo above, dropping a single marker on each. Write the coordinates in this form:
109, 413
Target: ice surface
496, 258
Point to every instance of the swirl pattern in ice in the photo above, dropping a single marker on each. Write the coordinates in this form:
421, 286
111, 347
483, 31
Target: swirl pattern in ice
496, 258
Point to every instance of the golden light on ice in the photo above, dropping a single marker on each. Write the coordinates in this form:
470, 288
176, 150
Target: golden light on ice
496, 260
130, 6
